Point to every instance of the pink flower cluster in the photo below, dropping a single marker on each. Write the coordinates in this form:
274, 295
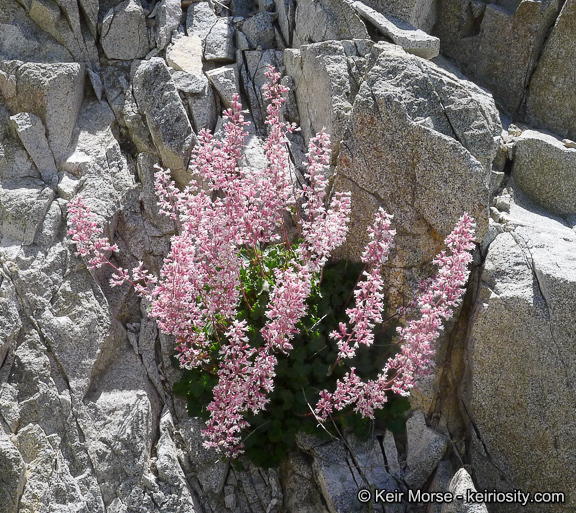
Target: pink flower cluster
437, 301
228, 209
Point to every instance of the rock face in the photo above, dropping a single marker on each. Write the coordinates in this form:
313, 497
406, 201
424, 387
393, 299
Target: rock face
545, 169
547, 106
124, 33
95, 93
442, 141
519, 352
485, 37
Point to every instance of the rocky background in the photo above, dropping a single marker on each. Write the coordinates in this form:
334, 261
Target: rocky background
419, 97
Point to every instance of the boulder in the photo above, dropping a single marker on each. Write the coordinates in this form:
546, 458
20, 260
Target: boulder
168, 16
459, 486
324, 20
53, 92
12, 474
545, 169
226, 82
21, 38
216, 33
424, 450
23, 205
416, 131
411, 39
486, 39
185, 54
547, 105
259, 31
61, 19
31, 132
124, 33
326, 77
158, 99
518, 390
418, 13
219, 43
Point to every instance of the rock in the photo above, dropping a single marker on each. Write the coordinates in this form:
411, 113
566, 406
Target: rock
166, 117
12, 475
460, 484
10, 323
168, 15
21, 38
23, 206
31, 132
98, 160
486, 45
418, 13
225, 81
200, 19
391, 454
61, 20
253, 70
52, 92
412, 40
547, 105
219, 43
286, 10
324, 20
522, 327
185, 54
326, 77
425, 449
90, 10
442, 141
440, 483
124, 33
545, 170
259, 31
300, 492
216, 33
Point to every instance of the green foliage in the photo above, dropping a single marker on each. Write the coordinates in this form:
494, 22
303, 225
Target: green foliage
307, 369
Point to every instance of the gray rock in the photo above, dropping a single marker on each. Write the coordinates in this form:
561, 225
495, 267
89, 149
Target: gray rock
545, 170
286, 10
23, 206
259, 31
61, 19
413, 40
124, 33
226, 82
324, 20
326, 77
442, 141
219, 43
253, 68
185, 54
440, 483
53, 92
31, 132
166, 117
522, 333
10, 319
391, 454
459, 486
419, 13
548, 105
21, 38
486, 45
300, 491
425, 449
90, 10
168, 16
12, 475
200, 20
